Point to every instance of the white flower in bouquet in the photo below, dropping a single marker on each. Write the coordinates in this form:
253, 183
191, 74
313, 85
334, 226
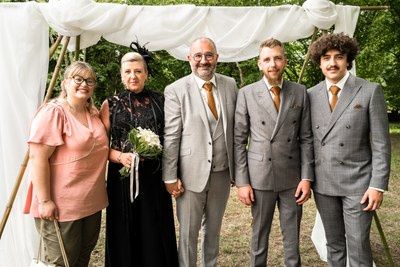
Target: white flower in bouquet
149, 137
145, 143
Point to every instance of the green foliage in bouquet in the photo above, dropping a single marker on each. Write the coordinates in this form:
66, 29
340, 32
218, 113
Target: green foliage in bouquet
145, 143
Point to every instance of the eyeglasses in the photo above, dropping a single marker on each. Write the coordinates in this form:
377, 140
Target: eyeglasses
79, 80
198, 56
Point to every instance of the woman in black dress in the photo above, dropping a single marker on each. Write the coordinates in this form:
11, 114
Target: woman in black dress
139, 233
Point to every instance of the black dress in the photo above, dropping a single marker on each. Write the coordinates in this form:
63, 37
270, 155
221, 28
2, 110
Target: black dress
140, 233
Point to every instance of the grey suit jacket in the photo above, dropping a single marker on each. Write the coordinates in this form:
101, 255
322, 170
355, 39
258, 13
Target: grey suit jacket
279, 150
351, 144
187, 135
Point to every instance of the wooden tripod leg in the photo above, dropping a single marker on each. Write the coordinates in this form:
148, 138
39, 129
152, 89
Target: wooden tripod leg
384, 242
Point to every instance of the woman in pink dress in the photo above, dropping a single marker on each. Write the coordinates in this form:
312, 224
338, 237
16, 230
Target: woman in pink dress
68, 154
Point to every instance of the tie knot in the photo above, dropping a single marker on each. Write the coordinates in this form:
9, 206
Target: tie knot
334, 89
276, 90
208, 86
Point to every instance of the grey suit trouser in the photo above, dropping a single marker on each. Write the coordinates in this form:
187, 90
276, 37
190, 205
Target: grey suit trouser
202, 210
289, 216
344, 220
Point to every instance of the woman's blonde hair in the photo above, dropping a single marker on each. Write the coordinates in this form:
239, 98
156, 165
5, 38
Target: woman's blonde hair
134, 57
76, 68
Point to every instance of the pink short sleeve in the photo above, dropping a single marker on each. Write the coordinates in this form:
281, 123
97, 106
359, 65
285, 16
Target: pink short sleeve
48, 126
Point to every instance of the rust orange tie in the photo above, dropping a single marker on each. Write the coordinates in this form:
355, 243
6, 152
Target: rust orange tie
210, 98
277, 97
335, 91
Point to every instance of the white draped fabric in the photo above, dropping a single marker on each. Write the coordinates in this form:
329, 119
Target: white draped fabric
24, 62
23, 71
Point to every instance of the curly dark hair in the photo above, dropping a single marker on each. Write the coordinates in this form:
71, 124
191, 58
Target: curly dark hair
338, 41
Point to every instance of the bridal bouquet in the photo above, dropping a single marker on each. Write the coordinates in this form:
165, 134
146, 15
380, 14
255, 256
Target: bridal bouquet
145, 143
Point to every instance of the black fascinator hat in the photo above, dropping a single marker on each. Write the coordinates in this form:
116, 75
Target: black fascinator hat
144, 52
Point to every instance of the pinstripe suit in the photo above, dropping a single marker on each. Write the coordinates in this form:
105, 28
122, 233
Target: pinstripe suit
352, 153
279, 154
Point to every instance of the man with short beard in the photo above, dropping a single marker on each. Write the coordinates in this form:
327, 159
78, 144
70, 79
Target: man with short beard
352, 150
198, 151
273, 153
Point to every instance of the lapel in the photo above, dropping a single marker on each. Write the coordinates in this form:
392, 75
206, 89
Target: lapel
265, 100
221, 89
322, 106
346, 96
197, 100
286, 103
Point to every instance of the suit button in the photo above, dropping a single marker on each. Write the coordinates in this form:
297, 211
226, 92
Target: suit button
213, 167
317, 127
340, 162
294, 122
348, 126
263, 122
341, 144
322, 143
269, 159
290, 157
288, 140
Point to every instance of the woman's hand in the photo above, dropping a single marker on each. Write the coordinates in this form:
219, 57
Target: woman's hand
48, 210
126, 159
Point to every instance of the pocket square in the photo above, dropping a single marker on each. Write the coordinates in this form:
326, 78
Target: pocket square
358, 106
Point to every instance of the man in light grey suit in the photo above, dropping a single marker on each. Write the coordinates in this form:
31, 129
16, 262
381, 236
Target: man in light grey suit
198, 148
272, 119
352, 150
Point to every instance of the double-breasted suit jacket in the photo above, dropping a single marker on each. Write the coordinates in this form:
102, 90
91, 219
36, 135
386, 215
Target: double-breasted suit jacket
188, 138
351, 144
279, 151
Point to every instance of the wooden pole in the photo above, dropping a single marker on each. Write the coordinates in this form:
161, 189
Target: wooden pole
54, 46
372, 8
77, 47
314, 36
26, 157
383, 238
56, 70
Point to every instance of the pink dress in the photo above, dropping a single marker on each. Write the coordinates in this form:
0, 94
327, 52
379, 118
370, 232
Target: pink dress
77, 166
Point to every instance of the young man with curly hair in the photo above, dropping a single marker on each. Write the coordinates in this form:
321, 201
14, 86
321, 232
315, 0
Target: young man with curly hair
351, 148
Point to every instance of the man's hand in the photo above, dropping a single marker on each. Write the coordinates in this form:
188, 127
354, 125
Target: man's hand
175, 189
246, 195
374, 198
303, 192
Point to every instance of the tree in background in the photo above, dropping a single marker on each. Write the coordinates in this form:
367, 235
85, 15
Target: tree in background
377, 32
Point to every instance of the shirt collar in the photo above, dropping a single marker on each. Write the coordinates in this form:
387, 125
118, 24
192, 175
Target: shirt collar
200, 82
340, 84
269, 86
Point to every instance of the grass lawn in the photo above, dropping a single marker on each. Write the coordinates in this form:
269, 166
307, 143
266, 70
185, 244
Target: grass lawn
236, 228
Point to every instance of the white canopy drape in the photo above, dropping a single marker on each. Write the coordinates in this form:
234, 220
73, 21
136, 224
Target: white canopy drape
237, 32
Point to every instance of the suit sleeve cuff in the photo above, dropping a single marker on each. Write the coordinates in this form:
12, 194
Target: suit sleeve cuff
171, 181
377, 189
